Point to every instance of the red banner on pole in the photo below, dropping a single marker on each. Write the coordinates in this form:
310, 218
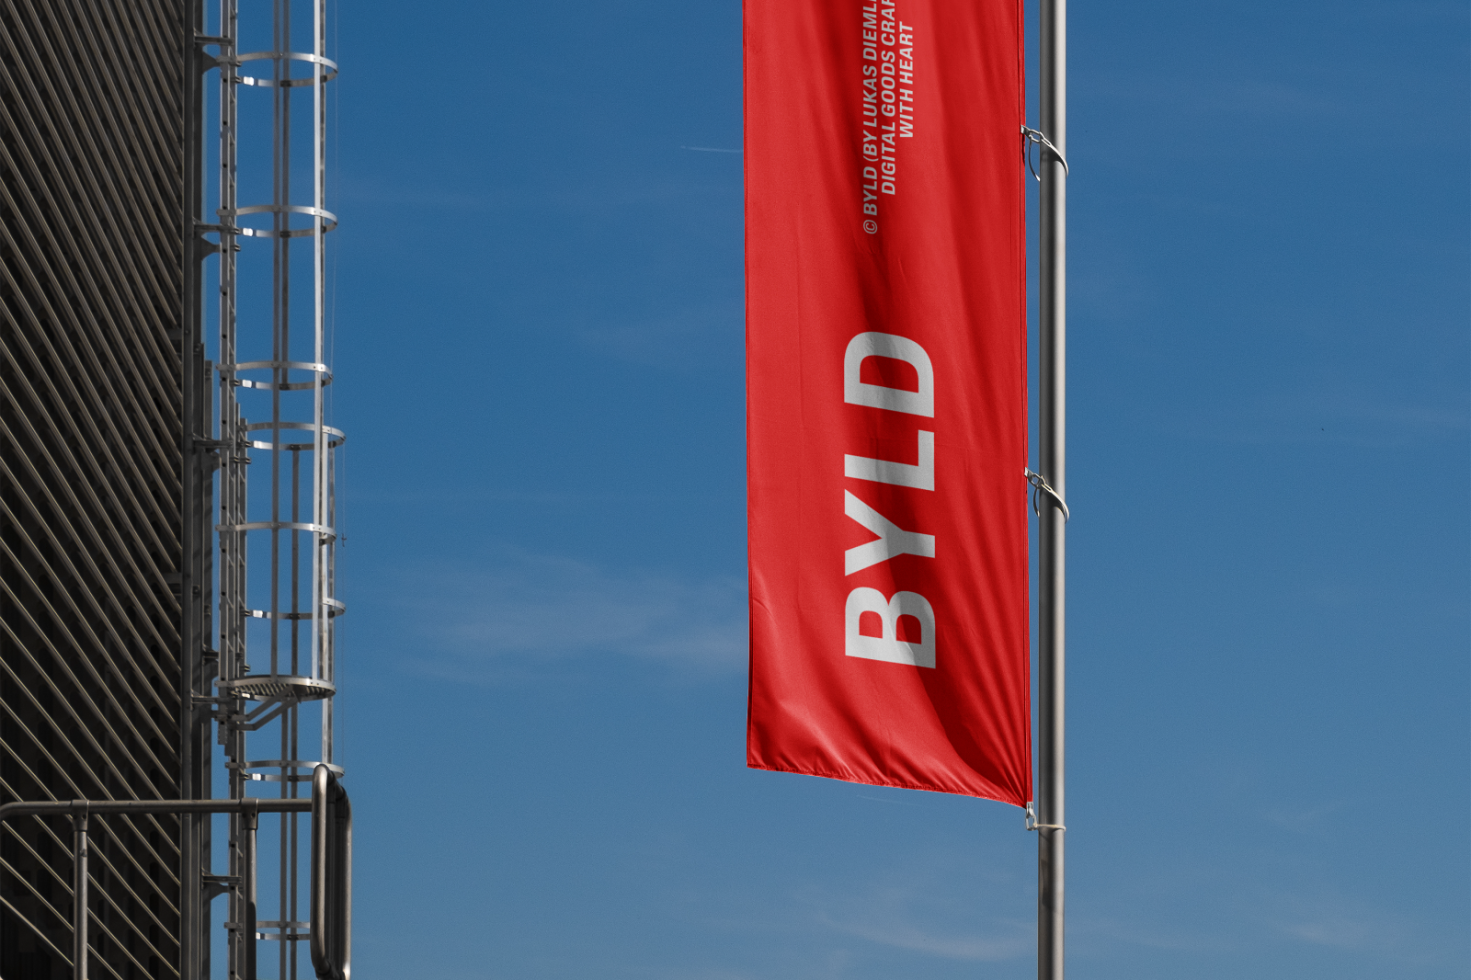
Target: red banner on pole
886, 359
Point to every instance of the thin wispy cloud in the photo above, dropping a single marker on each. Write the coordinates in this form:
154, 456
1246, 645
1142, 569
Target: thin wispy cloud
902, 918
1345, 933
1302, 816
533, 609
1342, 922
1095, 932
1011, 942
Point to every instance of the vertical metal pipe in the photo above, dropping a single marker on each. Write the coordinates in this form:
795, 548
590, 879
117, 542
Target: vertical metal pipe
324, 552
1053, 461
290, 788
79, 893
231, 479
250, 819
196, 521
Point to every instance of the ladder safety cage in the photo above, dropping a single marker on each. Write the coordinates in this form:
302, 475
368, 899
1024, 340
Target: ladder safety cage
275, 521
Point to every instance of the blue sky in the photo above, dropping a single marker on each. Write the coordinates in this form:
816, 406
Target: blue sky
539, 365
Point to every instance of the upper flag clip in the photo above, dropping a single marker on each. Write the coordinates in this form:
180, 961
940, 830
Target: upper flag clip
1039, 486
1036, 136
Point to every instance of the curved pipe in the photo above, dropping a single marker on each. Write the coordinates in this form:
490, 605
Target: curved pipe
331, 916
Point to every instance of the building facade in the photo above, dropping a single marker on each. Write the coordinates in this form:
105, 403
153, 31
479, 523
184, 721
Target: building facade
129, 514
103, 494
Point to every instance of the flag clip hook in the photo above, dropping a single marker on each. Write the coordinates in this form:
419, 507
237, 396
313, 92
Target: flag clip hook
1038, 137
1032, 823
1039, 487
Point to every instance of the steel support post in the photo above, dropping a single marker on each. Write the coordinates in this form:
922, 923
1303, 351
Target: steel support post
250, 822
79, 893
1053, 461
197, 534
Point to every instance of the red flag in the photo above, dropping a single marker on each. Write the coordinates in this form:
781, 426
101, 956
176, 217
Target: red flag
886, 416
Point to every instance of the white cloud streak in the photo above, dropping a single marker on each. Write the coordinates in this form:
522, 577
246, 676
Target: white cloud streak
539, 609
1339, 922
898, 917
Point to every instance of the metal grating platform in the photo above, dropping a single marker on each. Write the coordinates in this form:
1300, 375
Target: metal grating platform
282, 687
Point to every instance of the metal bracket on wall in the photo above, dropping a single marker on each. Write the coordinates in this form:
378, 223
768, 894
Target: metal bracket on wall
209, 445
217, 885
207, 61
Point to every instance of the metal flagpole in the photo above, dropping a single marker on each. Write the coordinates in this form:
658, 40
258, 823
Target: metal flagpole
1052, 460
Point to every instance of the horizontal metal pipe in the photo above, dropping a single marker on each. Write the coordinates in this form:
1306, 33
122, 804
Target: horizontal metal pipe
99, 807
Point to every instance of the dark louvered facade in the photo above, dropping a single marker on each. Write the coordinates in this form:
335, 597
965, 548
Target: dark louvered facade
94, 182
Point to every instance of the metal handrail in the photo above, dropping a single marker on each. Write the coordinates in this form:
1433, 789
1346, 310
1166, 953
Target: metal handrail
324, 785
331, 909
